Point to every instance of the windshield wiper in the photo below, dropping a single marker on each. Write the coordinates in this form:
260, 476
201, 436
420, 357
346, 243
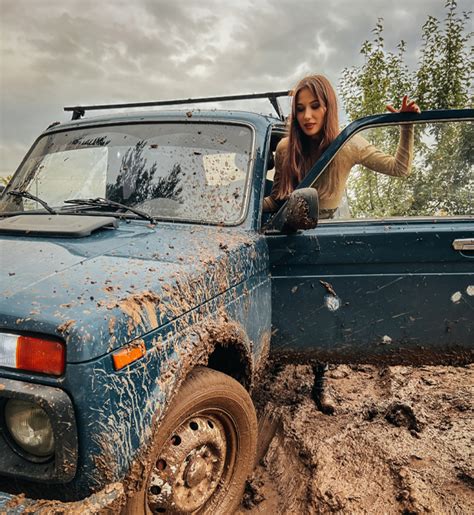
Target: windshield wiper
103, 202
26, 194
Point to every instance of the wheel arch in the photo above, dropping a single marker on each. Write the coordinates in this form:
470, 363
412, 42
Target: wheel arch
232, 359
230, 352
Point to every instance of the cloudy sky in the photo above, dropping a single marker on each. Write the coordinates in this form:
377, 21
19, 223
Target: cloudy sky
67, 52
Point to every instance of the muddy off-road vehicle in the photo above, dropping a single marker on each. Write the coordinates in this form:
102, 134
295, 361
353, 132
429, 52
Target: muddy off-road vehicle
143, 291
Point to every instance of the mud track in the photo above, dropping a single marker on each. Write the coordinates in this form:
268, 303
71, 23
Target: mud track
379, 440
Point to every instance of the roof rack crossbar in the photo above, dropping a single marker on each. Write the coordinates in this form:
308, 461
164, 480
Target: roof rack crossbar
79, 111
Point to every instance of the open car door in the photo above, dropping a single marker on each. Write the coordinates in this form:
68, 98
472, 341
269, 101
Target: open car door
391, 277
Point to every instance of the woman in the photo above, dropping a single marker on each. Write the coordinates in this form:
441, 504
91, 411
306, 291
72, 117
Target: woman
313, 125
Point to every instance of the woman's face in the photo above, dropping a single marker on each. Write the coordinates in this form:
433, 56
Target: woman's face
310, 113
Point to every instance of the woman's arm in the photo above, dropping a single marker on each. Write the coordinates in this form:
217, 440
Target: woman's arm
376, 160
271, 203
400, 165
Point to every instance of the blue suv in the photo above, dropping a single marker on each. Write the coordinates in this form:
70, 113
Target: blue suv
143, 291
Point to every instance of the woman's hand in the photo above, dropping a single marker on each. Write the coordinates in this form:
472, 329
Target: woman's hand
408, 106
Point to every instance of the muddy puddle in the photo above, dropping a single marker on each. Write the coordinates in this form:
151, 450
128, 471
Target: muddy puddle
379, 440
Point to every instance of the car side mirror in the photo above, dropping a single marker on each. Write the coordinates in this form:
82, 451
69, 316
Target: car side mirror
301, 210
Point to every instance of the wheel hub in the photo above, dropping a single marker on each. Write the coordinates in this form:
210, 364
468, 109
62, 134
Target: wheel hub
189, 466
195, 472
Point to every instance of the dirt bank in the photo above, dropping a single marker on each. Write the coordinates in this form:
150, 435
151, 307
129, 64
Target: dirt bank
399, 440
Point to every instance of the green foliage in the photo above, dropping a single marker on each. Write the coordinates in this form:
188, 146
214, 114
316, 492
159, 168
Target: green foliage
445, 69
380, 80
136, 180
448, 187
442, 176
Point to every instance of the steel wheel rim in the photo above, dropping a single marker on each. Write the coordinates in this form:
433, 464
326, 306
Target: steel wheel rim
193, 464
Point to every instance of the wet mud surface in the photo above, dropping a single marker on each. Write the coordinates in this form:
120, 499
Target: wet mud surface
395, 439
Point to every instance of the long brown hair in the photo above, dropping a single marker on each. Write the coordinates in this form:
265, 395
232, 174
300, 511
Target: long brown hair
298, 159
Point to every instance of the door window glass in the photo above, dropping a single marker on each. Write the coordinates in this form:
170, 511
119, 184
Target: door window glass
421, 170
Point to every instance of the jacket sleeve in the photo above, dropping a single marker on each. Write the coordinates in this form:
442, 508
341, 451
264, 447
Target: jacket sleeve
270, 203
398, 165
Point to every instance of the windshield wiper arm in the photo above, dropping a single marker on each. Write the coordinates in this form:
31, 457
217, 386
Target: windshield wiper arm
26, 194
103, 202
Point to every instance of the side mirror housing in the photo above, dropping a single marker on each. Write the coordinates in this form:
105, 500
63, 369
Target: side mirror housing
301, 210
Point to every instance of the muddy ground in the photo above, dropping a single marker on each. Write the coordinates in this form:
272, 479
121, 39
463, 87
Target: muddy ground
376, 440
380, 440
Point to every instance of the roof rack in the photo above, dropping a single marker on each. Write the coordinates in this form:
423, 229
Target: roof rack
79, 111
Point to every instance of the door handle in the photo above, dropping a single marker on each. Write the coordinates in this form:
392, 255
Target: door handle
464, 244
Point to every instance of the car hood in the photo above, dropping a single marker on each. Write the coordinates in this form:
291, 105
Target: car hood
99, 292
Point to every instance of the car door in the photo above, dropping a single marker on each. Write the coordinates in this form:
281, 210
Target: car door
387, 281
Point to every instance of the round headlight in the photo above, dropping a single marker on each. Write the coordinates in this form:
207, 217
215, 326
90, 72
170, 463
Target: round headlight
30, 427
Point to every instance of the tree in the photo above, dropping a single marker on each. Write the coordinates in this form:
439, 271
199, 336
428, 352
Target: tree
368, 89
442, 81
136, 180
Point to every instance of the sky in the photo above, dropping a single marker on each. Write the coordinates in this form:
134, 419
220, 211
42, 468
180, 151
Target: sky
68, 52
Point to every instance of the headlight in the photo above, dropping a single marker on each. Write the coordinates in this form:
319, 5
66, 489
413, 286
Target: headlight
30, 427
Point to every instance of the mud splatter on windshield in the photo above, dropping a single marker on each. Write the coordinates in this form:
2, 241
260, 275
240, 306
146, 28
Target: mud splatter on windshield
178, 171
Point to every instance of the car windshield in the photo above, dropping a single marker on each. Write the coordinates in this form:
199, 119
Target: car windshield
180, 171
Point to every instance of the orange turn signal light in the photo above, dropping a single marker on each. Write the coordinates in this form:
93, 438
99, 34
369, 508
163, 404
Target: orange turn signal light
38, 355
124, 357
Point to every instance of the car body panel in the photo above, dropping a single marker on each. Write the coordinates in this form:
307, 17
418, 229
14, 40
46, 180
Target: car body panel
100, 292
383, 291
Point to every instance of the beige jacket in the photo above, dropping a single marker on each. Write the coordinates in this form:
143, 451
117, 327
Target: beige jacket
356, 151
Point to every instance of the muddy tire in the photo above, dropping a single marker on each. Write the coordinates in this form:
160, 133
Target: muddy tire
204, 451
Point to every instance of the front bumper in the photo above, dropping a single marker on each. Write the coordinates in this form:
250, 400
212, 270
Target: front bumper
57, 404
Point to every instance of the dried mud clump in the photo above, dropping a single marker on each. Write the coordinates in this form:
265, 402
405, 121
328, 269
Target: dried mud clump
398, 440
106, 502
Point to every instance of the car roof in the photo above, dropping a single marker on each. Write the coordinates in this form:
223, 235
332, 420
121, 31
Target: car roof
182, 115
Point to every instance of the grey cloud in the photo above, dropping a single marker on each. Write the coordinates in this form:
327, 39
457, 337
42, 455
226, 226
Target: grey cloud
81, 51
